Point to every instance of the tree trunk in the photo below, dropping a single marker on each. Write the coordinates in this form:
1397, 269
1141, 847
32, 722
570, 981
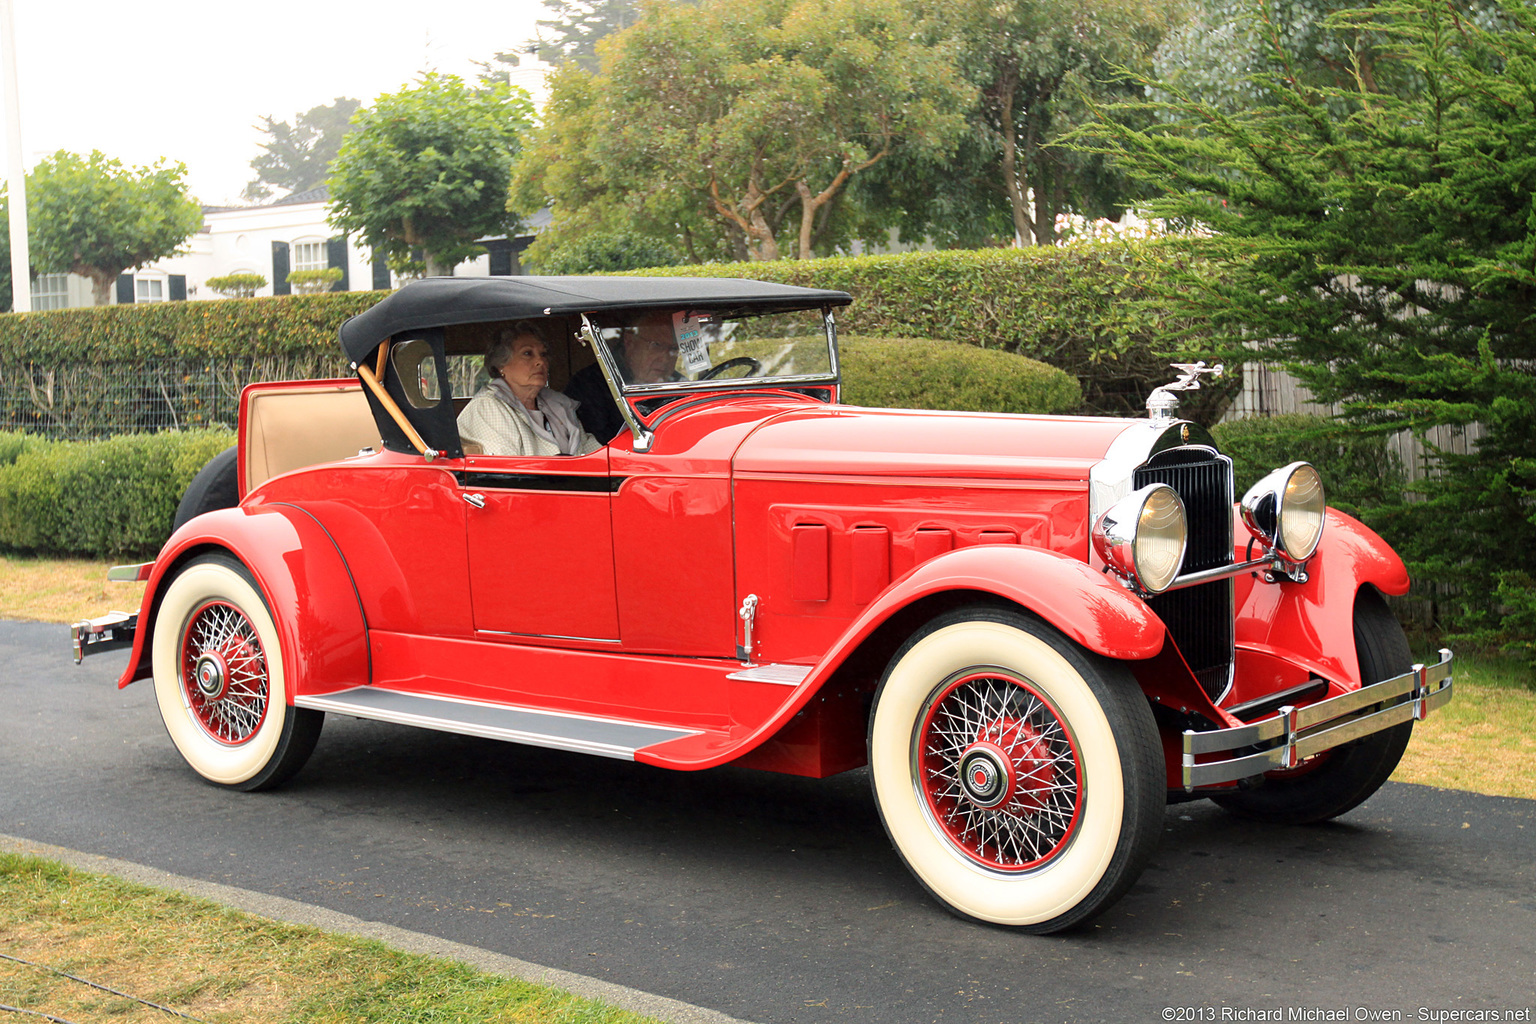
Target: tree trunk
101, 283
436, 267
1015, 178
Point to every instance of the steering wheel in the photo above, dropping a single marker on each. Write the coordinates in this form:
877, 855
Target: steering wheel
719, 368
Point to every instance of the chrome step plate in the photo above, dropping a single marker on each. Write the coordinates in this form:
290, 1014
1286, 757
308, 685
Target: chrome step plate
605, 737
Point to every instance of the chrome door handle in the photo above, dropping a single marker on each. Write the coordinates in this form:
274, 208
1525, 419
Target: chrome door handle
477, 500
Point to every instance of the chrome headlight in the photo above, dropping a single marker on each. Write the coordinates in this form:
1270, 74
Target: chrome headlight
1285, 510
1142, 537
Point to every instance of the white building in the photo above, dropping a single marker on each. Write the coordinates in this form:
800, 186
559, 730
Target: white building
272, 241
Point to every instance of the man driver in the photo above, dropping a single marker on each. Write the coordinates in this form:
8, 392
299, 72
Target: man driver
647, 354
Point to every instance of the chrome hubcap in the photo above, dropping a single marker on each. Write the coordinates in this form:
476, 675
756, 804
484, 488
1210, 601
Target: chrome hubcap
211, 675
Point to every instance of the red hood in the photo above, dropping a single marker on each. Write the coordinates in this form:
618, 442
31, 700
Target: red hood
849, 440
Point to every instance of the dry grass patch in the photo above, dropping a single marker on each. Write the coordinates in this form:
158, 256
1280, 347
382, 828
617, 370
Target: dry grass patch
223, 966
61, 590
1484, 740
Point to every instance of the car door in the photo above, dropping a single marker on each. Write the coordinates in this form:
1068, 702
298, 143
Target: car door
540, 540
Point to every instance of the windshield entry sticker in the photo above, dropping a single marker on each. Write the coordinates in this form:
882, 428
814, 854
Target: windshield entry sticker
690, 342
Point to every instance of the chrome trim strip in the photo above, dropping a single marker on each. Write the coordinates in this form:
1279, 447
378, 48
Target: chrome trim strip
778, 674
1295, 734
1222, 572
555, 730
130, 573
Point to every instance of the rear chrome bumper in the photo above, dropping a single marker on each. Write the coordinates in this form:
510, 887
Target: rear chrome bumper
1295, 734
108, 633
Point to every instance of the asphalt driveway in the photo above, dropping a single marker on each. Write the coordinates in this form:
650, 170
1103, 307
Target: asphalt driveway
778, 899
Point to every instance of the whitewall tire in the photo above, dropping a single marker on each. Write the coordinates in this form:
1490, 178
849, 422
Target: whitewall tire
220, 681
1019, 777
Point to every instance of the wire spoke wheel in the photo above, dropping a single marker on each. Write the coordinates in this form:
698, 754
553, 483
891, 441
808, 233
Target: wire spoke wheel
220, 679
1019, 776
224, 672
999, 771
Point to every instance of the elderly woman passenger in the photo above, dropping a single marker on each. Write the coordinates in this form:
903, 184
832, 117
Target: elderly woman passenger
518, 413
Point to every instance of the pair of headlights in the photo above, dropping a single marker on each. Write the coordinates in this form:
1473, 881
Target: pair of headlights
1143, 535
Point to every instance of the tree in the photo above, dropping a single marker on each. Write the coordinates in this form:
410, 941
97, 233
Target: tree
297, 157
753, 114
575, 26
1033, 61
429, 168
1383, 246
94, 217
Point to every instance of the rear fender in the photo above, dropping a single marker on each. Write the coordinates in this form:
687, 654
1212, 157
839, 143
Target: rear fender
300, 572
1311, 624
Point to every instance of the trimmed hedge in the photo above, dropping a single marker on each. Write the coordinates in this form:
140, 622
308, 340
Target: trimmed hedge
218, 329
915, 373
98, 498
1081, 308
1360, 473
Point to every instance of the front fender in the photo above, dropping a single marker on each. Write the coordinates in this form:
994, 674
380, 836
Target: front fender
1090, 607
1311, 624
303, 577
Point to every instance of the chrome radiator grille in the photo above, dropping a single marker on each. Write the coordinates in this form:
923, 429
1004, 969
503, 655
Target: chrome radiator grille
1200, 619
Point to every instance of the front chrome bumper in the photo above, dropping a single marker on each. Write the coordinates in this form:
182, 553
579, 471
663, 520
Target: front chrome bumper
1295, 734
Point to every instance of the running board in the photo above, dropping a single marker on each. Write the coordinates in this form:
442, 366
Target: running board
602, 736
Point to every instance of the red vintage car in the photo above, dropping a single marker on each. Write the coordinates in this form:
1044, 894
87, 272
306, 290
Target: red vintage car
1035, 630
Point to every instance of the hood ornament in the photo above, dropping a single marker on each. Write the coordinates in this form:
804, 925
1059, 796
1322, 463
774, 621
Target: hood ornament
1162, 402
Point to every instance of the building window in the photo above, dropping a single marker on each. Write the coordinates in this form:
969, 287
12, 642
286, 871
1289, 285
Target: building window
150, 290
50, 291
309, 256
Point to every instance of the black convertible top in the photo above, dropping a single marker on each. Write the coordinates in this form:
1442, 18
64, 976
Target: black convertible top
441, 301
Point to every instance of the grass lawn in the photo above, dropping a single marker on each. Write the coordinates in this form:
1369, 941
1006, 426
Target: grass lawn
219, 965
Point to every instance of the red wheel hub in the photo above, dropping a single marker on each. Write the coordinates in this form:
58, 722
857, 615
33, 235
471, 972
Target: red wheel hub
224, 672
998, 771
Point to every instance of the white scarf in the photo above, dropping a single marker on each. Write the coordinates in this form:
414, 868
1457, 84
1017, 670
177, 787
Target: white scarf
560, 427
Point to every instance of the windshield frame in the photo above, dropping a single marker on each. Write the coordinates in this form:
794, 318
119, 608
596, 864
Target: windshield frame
621, 390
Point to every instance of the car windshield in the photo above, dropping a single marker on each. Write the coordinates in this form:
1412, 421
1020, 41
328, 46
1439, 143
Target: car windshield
663, 348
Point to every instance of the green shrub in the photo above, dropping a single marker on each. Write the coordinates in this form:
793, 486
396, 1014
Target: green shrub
188, 331
14, 443
605, 252
237, 286
911, 373
101, 498
313, 282
1361, 475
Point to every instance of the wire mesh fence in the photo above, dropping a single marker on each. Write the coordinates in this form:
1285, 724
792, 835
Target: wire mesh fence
83, 401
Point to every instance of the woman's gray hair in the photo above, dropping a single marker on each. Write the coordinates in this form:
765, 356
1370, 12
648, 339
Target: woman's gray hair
504, 342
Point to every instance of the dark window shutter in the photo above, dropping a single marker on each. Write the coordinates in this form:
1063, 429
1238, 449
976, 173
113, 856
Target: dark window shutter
336, 256
380, 272
518, 245
125, 289
177, 287
280, 285
500, 251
